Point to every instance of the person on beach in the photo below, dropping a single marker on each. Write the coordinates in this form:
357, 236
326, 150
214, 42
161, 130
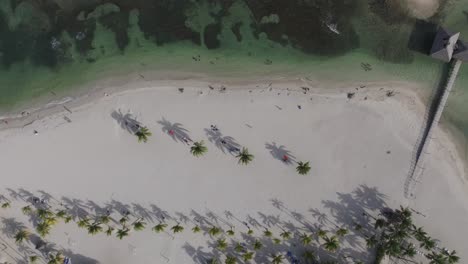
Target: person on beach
285, 158
171, 132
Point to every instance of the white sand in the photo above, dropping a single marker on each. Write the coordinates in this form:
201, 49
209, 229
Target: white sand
94, 159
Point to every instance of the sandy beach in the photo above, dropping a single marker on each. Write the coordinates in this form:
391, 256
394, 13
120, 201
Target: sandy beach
359, 141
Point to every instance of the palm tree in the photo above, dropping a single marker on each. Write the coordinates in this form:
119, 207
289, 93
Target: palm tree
342, 232
230, 232
250, 232
214, 231
142, 134
230, 260
308, 256
239, 247
6, 205
105, 219
196, 229
212, 261
198, 149
21, 236
57, 259
277, 259
123, 220
428, 243
244, 156
452, 256
26, 210
247, 256
33, 259
379, 223
277, 241
267, 233
419, 233
303, 167
67, 219
43, 213
159, 227
371, 242
109, 230
285, 235
50, 220
257, 245
321, 233
221, 244
306, 239
139, 225
331, 243
43, 229
121, 233
83, 222
94, 228
177, 228
436, 258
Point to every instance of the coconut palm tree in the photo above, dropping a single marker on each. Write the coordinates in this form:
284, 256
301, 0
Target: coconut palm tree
67, 219
267, 233
239, 247
276, 240
123, 232
214, 231
428, 243
306, 239
230, 260
250, 231
83, 222
198, 148
21, 236
159, 227
109, 230
419, 233
436, 258
142, 134
321, 233
6, 205
94, 228
230, 232
177, 228
51, 220
33, 259
123, 220
303, 167
105, 219
257, 245
247, 256
308, 256
244, 156
342, 232
43, 213
26, 210
43, 229
56, 259
451, 256
139, 225
331, 243
285, 235
196, 229
221, 244
277, 259
213, 261
371, 241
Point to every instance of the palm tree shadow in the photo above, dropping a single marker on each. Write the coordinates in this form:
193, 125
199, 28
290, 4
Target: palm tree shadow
11, 227
279, 152
126, 121
224, 143
175, 130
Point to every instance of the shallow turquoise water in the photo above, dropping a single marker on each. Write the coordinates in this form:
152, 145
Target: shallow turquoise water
57, 47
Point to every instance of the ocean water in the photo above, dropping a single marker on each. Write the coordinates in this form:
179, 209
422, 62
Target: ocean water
60, 45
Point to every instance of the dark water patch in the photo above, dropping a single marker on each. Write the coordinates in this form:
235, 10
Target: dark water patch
118, 23
307, 24
211, 36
